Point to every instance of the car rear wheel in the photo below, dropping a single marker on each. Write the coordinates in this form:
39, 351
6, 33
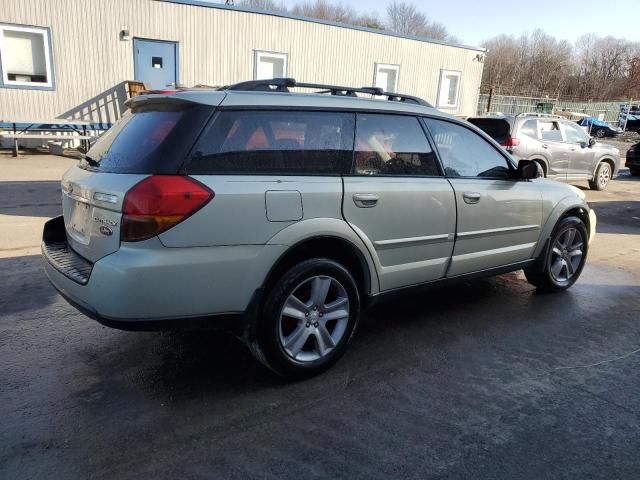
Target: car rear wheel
308, 319
602, 177
565, 258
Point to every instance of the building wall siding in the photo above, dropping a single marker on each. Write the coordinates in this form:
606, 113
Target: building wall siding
216, 47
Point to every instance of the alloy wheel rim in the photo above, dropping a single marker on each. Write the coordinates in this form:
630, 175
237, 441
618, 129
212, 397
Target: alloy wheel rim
566, 255
314, 318
605, 175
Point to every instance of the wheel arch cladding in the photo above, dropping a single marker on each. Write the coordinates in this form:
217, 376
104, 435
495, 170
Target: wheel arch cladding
611, 163
567, 207
334, 248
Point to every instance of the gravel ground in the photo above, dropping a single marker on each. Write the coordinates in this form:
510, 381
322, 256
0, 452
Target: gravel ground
483, 380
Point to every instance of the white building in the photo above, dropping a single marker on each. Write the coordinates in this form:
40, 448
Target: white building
71, 58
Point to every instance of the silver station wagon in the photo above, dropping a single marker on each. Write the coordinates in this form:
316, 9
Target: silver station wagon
281, 215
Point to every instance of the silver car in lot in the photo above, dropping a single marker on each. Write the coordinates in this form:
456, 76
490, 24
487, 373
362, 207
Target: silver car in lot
563, 149
281, 215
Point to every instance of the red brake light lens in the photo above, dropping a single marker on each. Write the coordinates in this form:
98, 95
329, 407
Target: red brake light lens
160, 202
510, 142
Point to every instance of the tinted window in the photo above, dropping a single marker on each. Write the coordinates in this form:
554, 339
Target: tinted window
393, 145
497, 128
273, 142
574, 134
464, 153
550, 131
153, 139
530, 128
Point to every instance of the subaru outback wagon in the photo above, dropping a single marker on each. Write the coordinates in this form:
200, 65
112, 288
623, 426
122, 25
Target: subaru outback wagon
282, 215
561, 147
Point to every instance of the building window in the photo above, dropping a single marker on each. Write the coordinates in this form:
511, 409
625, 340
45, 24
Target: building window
449, 89
386, 77
25, 57
270, 65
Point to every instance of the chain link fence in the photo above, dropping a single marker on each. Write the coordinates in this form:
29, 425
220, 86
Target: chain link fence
509, 104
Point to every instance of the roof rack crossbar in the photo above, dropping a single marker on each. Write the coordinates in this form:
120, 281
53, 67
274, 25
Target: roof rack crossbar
284, 84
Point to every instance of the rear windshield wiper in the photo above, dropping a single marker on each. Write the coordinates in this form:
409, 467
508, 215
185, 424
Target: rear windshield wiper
89, 160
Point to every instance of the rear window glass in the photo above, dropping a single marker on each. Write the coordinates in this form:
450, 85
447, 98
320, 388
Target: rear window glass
275, 142
152, 139
530, 128
497, 128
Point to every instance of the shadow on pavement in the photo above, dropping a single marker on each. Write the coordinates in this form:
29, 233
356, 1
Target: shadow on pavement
31, 199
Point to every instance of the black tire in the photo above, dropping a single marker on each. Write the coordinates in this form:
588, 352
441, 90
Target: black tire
600, 180
542, 166
634, 171
268, 346
541, 276
600, 133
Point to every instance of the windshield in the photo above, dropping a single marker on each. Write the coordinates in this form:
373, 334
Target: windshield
150, 139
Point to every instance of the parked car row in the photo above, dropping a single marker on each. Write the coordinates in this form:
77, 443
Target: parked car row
561, 148
281, 216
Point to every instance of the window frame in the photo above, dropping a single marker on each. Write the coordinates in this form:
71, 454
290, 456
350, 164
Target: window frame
257, 54
510, 163
352, 171
391, 66
443, 73
48, 54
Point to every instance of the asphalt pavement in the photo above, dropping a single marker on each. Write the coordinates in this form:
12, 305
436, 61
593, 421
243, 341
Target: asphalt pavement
487, 379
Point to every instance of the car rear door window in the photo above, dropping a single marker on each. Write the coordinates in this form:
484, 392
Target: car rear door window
393, 145
275, 142
464, 153
550, 131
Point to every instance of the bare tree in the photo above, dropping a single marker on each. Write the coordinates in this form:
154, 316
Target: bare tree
406, 18
270, 5
325, 10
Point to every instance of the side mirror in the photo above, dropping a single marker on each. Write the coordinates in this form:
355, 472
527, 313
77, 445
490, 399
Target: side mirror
592, 142
528, 169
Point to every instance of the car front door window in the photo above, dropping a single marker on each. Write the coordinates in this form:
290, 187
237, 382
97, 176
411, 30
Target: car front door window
464, 153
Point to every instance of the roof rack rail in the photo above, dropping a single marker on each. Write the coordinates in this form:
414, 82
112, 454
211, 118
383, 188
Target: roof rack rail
537, 114
284, 84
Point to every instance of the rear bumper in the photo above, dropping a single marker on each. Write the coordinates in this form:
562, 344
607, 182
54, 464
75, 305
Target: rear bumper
146, 286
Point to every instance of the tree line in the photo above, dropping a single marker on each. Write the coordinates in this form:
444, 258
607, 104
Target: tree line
536, 64
533, 64
399, 17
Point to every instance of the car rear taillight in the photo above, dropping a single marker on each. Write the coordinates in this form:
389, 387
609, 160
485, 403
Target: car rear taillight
510, 142
160, 202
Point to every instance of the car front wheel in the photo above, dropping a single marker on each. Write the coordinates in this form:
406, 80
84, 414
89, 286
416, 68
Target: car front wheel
602, 177
564, 259
308, 319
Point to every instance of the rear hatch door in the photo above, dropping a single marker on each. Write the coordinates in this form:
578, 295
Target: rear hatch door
151, 139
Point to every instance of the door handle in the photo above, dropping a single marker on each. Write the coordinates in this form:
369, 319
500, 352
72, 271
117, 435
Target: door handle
365, 200
471, 197
544, 145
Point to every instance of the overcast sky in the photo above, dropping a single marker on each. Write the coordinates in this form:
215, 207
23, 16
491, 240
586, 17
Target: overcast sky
473, 21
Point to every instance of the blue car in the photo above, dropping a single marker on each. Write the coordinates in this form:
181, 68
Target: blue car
599, 128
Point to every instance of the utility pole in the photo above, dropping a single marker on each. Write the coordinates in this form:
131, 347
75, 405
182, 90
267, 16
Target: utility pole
490, 99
